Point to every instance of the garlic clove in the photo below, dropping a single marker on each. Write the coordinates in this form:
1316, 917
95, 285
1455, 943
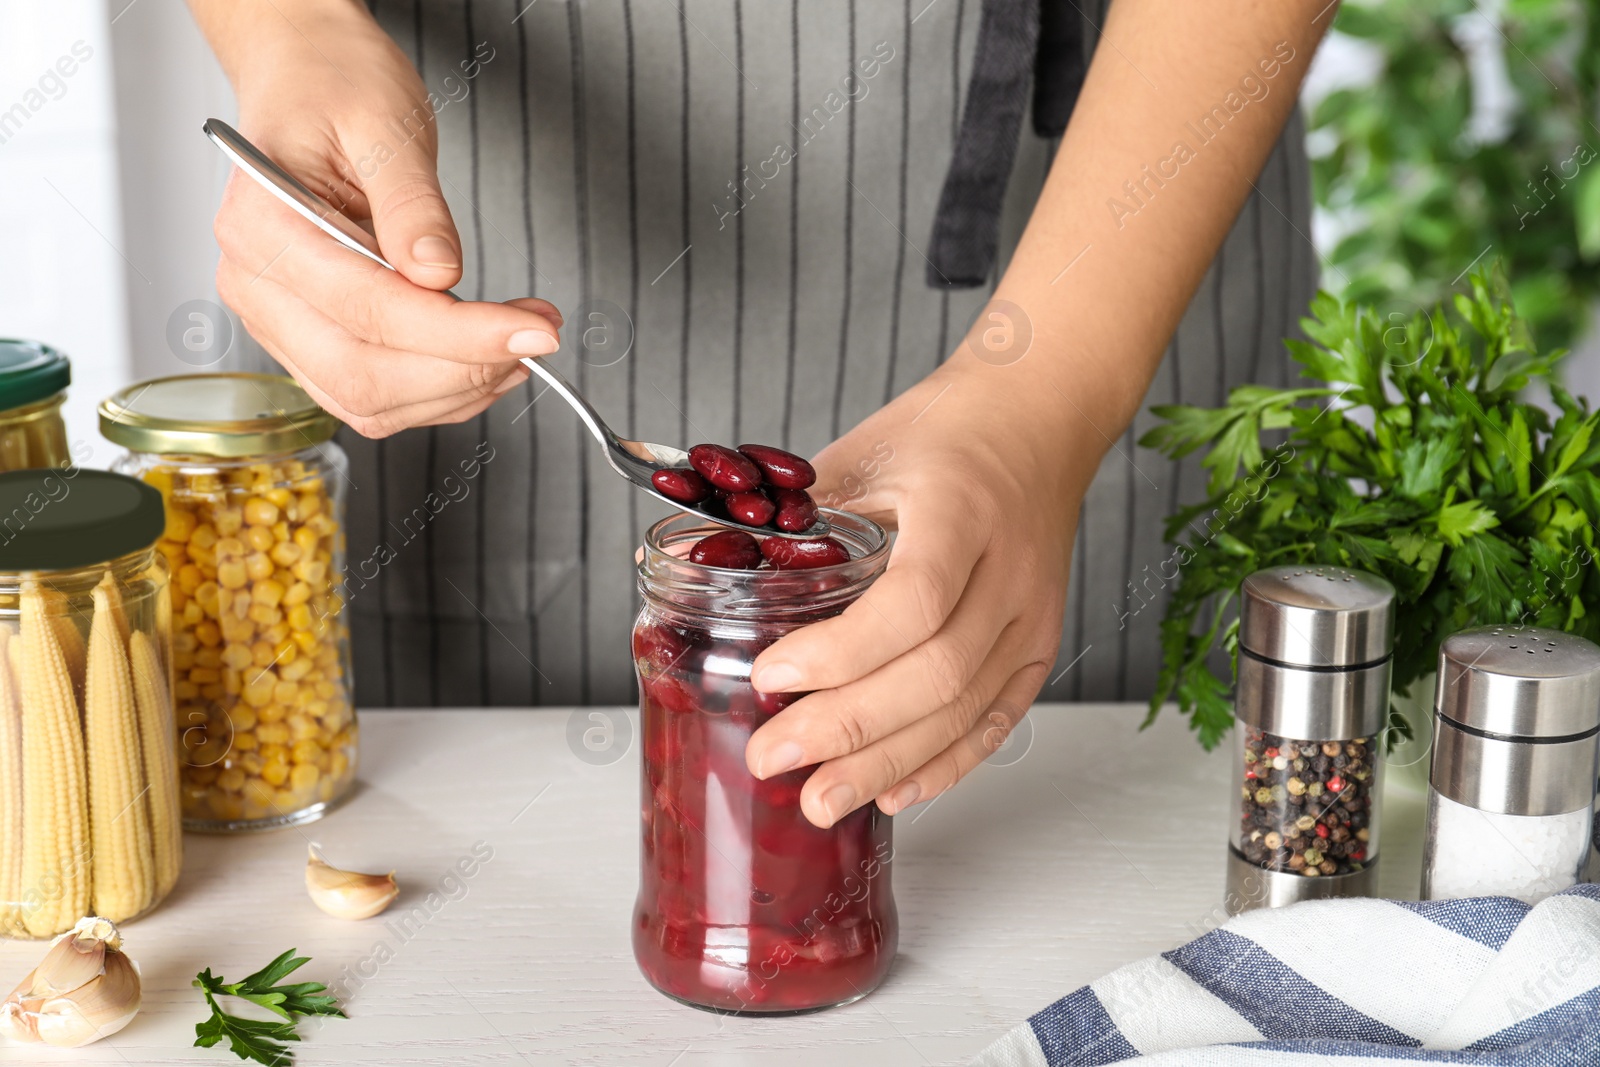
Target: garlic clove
83, 990
348, 894
97, 1009
17, 1019
70, 961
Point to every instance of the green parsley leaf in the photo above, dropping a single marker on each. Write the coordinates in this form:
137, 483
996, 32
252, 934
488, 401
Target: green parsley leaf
262, 1040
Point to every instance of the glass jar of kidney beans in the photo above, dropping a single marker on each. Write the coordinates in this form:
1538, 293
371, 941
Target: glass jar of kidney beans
744, 905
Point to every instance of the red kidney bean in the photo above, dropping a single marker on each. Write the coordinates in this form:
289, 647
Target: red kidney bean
787, 554
752, 509
684, 486
782, 469
734, 549
725, 468
795, 511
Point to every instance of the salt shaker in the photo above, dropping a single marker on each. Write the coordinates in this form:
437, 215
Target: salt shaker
1315, 644
1512, 786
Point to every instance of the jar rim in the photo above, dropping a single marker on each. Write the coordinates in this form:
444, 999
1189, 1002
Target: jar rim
666, 575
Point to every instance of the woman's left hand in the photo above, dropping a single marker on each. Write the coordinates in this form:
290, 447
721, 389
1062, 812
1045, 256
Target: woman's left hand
917, 682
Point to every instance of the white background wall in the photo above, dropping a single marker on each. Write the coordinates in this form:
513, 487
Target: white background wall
107, 190
62, 272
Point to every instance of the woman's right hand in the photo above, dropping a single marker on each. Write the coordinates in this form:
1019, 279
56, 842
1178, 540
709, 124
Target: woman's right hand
325, 92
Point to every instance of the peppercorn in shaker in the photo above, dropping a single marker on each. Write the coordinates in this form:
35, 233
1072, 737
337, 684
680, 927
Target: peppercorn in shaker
1312, 698
1511, 792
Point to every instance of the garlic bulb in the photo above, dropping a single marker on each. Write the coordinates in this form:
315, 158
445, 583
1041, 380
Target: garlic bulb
84, 989
348, 894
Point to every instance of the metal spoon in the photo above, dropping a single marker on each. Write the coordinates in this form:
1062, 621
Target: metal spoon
634, 460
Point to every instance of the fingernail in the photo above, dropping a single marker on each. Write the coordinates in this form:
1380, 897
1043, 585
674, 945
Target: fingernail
838, 801
784, 757
511, 382
905, 794
434, 251
778, 678
532, 343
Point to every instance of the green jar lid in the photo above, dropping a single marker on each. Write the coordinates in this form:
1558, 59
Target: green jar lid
29, 372
53, 520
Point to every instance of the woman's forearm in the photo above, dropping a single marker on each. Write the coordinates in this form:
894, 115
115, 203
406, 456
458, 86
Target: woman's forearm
1180, 109
240, 31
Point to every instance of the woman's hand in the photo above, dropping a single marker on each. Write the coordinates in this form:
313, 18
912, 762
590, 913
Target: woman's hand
324, 92
925, 675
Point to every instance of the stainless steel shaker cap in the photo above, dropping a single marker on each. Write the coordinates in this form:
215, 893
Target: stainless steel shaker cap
1520, 682
1317, 616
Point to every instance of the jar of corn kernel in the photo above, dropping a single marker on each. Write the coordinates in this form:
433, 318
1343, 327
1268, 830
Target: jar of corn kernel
254, 490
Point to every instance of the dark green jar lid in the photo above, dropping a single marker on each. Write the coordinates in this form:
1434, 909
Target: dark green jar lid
29, 372
54, 520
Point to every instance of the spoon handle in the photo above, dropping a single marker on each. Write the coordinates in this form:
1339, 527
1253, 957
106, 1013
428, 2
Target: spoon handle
591, 418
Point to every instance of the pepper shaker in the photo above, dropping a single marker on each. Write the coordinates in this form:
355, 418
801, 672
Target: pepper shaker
1315, 644
1512, 785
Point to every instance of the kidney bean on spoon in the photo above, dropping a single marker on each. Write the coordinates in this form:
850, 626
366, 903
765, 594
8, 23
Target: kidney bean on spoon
686, 487
734, 549
752, 509
725, 468
794, 510
786, 554
785, 470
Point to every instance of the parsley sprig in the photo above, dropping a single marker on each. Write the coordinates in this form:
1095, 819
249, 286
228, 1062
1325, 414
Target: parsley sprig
1416, 458
262, 1040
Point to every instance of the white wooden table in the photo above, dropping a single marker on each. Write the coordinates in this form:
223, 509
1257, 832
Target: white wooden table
1079, 849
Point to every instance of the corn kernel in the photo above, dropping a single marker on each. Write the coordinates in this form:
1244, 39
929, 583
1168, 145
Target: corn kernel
259, 566
232, 575
272, 751
275, 772
244, 741
272, 713
260, 512
242, 716
228, 521
259, 538
304, 776
276, 732
204, 536
314, 572
231, 779
265, 615
210, 658
258, 690
180, 524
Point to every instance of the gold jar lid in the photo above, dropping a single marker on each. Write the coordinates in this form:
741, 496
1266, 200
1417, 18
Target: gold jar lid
225, 415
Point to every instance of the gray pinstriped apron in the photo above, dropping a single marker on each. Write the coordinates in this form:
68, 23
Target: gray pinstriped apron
589, 162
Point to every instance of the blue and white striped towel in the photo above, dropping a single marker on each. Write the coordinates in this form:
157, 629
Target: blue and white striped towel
1356, 983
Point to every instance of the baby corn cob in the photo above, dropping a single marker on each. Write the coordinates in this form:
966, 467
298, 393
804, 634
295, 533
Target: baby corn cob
55, 875
158, 738
10, 795
118, 819
68, 637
